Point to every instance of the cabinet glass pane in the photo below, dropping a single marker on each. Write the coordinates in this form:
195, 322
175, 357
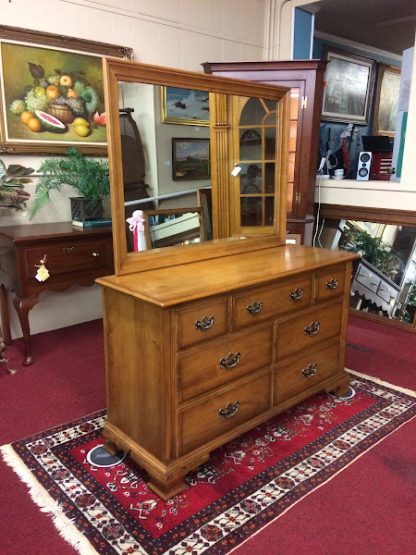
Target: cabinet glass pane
269, 211
270, 143
253, 112
250, 144
269, 181
251, 181
251, 211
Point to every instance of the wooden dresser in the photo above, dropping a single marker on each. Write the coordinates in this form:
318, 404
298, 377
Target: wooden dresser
198, 353
71, 256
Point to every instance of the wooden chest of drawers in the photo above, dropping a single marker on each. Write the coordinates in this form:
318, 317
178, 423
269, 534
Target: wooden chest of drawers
202, 352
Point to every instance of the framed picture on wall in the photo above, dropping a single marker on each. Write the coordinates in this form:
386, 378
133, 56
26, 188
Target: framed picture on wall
51, 92
190, 159
184, 106
387, 94
349, 87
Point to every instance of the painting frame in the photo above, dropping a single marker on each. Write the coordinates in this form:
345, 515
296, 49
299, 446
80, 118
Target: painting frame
175, 100
348, 87
14, 38
190, 159
386, 100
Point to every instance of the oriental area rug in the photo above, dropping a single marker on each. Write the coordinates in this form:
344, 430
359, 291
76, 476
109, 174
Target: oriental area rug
247, 484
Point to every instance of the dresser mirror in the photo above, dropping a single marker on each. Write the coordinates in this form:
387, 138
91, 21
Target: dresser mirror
192, 132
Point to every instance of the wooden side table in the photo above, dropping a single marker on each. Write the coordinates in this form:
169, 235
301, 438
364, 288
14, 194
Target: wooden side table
71, 256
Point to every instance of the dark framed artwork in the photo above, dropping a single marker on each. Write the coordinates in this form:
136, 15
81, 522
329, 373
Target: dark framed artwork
349, 87
387, 95
184, 106
51, 92
190, 159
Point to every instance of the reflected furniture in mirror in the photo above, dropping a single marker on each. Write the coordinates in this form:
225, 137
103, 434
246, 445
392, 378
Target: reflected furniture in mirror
384, 279
305, 80
206, 340
173, 226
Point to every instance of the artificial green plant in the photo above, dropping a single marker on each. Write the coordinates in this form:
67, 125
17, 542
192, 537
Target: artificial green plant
90, 177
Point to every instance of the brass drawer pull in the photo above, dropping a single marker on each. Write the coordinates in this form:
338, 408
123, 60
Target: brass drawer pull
96, 254
296, 294
67, 250
205, 324
230, 361
230, 410
255, 308
313, 328
310, 370
332, 284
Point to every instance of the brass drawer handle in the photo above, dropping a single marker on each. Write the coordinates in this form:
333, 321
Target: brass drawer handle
230, 361
230, 410
255, 308
96, 254
310, 370
67, 250
205, 324
332, 284
313, 328
296, 294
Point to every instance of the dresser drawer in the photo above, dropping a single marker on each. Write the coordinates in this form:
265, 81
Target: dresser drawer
313, 367
266, 302
220, 362
223, 412
202, 321
308, 330
330, 282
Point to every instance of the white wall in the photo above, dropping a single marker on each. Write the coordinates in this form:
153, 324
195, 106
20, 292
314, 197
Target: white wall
175, 33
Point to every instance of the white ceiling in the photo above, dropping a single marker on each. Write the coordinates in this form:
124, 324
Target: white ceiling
388, 25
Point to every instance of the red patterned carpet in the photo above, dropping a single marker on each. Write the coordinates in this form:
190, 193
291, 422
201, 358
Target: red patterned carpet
248, 483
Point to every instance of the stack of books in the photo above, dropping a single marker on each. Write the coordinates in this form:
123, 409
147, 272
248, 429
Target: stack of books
104, 222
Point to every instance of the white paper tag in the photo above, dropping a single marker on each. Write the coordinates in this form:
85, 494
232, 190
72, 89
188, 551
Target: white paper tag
42, 274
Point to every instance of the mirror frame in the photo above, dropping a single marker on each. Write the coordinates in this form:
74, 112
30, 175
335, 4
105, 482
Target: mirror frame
116, 70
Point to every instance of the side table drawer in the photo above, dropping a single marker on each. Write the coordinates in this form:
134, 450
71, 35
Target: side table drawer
201, 322
220, 362
69, 256
307, 330
312, 368
274, 300
223, 412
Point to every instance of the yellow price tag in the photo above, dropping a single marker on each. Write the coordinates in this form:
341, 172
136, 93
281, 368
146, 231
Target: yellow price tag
42, 274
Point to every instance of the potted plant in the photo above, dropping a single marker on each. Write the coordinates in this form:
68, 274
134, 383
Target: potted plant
88, 176
12, 181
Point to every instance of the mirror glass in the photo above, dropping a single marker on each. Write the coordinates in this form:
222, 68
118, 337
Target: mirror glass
173, 226
384, 279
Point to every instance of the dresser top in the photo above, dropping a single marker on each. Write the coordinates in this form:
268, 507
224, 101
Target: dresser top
37, 232
167, 287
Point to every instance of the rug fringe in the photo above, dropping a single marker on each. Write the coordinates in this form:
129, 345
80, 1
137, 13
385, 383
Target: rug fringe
409, 392
44, 501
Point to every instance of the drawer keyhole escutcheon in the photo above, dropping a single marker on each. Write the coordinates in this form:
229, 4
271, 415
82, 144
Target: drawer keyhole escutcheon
296, 294
255, 308
310, 370
205, 324
230, 410
332, 284
230, 361
67, 250
312, 329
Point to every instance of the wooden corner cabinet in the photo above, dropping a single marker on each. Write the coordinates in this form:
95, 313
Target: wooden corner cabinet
305, 80
205, 341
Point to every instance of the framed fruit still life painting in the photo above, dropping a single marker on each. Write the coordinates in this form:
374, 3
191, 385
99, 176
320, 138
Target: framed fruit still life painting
51, 98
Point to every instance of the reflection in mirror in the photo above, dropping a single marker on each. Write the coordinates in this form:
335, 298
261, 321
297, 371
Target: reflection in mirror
146, 146
175, 226
384, 279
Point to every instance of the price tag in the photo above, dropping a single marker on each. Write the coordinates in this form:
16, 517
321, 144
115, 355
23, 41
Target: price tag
43, 273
